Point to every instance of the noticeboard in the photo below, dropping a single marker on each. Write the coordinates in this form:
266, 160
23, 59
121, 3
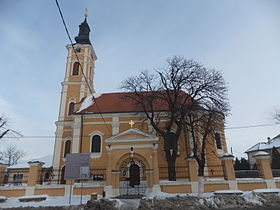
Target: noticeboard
77, 166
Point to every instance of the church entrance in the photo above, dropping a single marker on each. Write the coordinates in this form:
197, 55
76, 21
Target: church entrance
132, 178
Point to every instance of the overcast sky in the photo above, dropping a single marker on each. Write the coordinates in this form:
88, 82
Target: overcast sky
240, 38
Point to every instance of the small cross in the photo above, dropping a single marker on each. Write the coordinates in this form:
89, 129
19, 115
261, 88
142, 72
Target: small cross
86, 13
131, 123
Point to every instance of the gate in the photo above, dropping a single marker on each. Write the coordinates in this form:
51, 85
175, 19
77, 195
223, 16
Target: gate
132, 178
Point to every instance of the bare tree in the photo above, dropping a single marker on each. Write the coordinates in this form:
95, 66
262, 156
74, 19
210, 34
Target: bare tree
276, 115
12, 155
5, 130
188, 96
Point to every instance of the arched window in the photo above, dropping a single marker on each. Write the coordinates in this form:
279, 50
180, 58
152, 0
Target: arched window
71, 108
218, 141
67, 147
96, 144
62, 180
76, 68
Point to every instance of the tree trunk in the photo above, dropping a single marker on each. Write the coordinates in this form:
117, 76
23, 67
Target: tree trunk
201, 169
171, 149
171, 169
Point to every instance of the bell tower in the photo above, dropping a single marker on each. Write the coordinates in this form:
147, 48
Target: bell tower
79, 76
78, 83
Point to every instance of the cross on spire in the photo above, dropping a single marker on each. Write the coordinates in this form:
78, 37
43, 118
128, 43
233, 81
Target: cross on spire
86, 13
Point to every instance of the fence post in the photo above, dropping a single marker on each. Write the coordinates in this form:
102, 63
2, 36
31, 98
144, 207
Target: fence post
227, 162
264, 168
192, 169
33, 174
2, 173
263, 165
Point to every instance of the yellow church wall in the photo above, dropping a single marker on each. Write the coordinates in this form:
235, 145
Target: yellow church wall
75, 78
67, 128
88, 190
88, 129
134, 118
50, 191
277, 184
214, 187
80, 55
12, 192
67, 134
95, 120
176, 188
73, 92
251, 186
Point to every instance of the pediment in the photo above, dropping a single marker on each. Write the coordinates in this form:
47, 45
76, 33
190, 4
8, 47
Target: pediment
132, 134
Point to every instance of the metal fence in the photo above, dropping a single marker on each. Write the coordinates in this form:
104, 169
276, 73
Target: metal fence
247, 174
98, 174
13, 179
276, 172
182, 172
250, 173
51, 176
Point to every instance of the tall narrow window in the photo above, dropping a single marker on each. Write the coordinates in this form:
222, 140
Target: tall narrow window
218, 141
96, 144
71, 108
62, 179
76, 68
67, 147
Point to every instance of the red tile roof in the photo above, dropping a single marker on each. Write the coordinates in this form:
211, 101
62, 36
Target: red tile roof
118, 102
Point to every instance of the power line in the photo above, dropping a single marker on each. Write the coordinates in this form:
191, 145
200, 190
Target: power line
50, 136
82, 70
252, 126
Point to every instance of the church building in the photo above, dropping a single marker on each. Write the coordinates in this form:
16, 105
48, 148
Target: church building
127, 155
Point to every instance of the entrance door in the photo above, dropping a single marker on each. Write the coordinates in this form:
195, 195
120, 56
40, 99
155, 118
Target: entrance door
134, 175
132, 179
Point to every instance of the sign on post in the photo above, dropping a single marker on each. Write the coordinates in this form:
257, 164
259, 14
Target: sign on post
77, 166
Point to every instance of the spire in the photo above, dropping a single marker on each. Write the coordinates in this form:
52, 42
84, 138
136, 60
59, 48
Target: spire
86, 13
83, 37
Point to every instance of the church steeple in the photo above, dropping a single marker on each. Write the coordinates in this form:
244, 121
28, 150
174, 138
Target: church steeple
83, 37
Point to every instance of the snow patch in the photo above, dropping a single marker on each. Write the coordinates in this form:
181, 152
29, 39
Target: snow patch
261, 153
163, 195
272, 190
228, 192
50, 201
89, 101
33, 196
251, 198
